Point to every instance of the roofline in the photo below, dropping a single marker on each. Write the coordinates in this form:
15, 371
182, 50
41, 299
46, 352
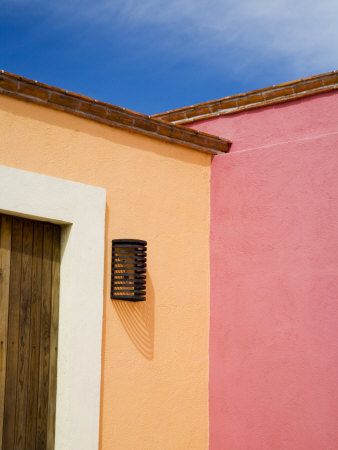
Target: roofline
61, 100
258, 98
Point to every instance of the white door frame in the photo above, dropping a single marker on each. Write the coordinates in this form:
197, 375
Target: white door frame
80, 208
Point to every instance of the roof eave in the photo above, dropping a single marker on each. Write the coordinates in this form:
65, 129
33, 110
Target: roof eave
258, 98
61, 100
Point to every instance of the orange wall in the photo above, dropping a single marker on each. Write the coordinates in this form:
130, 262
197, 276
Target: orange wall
155, 353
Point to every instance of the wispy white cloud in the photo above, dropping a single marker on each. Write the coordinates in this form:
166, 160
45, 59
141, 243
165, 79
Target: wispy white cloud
302, 32
305, 31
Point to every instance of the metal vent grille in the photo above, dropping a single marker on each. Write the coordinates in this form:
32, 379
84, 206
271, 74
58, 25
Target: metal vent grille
129, 263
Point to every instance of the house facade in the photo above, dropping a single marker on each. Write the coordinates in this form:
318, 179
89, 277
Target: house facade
274, 258
236, 345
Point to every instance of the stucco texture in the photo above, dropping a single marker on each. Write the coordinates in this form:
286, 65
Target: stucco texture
301, 119
274, 282
154, 392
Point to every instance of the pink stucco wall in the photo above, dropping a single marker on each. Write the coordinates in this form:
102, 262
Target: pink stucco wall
302, 119
274, 279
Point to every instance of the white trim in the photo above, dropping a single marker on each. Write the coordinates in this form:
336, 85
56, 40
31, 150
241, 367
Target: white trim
82, 207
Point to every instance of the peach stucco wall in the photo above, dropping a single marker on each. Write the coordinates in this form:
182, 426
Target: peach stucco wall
274, 279
155, 354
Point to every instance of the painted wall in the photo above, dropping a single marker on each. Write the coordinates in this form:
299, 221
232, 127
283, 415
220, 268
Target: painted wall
274, 279
282, 123
154, 392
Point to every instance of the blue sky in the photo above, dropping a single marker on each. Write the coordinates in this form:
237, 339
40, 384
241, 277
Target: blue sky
153, 55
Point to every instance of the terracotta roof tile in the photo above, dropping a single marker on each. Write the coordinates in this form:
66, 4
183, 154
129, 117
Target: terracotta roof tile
258, 98
105, 113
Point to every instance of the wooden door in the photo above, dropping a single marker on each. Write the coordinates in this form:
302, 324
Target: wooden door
29, 310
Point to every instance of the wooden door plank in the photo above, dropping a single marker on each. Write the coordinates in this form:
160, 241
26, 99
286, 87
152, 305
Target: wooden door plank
5, 263
13, 335
29, 369
33, 386
24, 335
41, 433
53, 338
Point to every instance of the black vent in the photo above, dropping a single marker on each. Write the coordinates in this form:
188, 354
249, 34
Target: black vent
128, 274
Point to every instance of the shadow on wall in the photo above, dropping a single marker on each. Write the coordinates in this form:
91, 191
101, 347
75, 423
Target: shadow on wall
138, 319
